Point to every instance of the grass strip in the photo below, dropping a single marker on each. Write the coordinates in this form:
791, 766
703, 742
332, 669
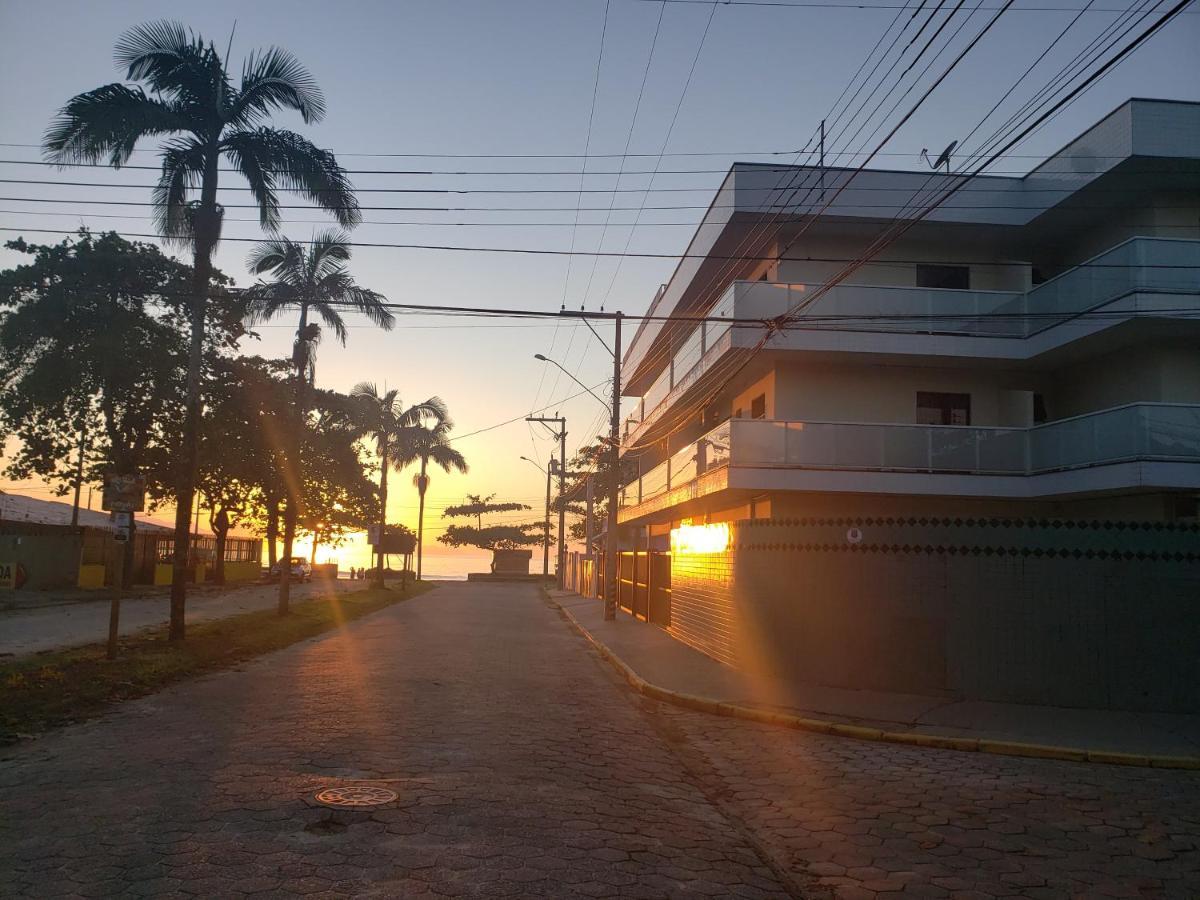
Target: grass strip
50, 689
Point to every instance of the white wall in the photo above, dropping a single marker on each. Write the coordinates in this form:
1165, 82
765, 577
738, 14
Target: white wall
888, 394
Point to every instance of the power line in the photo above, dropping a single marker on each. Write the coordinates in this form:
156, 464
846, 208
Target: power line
680, 153
640, 255
859, 7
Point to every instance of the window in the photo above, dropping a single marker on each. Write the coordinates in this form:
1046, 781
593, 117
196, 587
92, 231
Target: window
758, 407
935, 408
954, 277
1039, 409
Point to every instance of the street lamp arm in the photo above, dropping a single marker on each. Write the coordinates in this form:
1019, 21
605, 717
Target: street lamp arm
552, 362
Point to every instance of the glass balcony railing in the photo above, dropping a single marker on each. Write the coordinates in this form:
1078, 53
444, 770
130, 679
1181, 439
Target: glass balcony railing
1155, 265
1140, 431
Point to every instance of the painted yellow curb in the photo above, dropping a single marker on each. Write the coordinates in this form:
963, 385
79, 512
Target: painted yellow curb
858, 732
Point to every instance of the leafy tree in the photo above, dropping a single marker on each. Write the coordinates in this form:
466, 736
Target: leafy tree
312, 279
383, 418
591, 461
489, 537
336, 488
240, 475
426, 445
204, 117
93, 344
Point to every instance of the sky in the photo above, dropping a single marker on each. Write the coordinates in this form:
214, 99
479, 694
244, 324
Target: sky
519, 77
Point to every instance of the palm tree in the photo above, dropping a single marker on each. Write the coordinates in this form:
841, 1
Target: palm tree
426, 445
312, 279
384, 420
204, 117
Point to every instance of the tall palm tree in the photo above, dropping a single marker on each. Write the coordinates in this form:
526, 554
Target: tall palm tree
312, 279
425, 445
203, 117
384, 420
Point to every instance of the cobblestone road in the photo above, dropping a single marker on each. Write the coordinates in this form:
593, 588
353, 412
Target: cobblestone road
525, 769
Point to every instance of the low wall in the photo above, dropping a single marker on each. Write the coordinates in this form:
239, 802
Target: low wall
1094, 614
46, 556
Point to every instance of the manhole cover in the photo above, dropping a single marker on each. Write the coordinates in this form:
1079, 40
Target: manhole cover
357, 796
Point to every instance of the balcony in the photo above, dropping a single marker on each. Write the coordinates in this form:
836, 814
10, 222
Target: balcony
1138, 432
1116, 278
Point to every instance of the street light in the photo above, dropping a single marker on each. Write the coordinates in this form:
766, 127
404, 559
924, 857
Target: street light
552, 362
546, 537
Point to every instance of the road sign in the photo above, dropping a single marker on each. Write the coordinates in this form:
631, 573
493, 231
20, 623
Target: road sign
8, 575
122, 525
124, 493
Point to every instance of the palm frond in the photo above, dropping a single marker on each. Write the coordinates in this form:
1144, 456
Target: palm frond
174, 61
262, 185
365, 390
328, 249
105, 124
275, 79
434, 409
447, 457
265, 301
182, 170
281, 256
333, 319
300, 166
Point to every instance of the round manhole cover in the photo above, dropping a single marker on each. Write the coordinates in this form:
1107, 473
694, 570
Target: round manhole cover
357, 796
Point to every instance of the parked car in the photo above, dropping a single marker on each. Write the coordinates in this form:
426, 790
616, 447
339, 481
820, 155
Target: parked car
301, 570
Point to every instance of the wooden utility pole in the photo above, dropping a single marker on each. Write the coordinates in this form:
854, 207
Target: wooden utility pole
561, 434
614, 478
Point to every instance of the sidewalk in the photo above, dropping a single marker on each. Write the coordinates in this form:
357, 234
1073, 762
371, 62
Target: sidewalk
53, 626
671, 667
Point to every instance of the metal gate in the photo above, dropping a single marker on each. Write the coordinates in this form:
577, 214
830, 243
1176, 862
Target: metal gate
644, 585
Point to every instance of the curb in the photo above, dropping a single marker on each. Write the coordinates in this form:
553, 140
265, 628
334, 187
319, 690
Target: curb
862, 733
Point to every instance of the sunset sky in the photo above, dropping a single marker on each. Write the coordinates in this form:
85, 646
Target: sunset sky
517, 77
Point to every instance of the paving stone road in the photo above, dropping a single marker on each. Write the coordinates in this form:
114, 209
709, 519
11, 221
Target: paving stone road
524, 768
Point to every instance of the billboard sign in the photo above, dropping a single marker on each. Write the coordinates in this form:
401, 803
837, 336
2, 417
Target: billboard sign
124, 493
397, 541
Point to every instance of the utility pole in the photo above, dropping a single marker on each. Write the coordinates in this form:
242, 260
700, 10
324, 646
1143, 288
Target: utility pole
614, 479
79, 477
822, 159
562, 475
587, 537
546, 536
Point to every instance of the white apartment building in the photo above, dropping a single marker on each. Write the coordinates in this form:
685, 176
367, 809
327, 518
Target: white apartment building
1030, 348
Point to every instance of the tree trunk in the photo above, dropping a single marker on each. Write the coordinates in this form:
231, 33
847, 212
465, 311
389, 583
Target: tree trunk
219, 522
383, 472
285, 563
207, 224
294, 482
272, 531
127, 549
422, 484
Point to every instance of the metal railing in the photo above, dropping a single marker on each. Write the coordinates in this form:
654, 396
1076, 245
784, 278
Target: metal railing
1162, 265
1138, 431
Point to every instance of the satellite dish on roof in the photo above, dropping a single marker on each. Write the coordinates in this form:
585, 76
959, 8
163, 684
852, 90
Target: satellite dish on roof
943, 160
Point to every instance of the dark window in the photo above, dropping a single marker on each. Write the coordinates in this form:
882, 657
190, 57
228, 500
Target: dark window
934, 408
1187, 507
737, 413
758, 407
955, 277
1039, 409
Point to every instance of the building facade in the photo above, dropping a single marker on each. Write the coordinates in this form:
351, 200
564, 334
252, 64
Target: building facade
1029, 348
1025, 358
